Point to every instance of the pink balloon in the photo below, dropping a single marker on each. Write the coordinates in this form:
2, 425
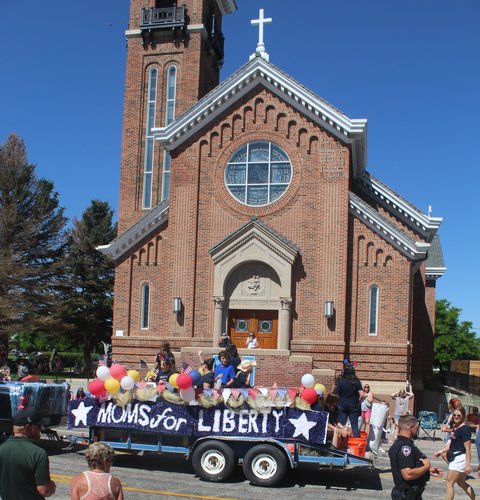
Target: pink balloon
118, 371
96, 387
184, 381
309, 395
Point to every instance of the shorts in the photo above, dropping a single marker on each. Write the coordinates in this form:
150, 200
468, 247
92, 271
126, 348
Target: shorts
459, 463
366, 414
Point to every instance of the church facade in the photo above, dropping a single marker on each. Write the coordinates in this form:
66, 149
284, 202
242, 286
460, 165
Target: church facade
247, 205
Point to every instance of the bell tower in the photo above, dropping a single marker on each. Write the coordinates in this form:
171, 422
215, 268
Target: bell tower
174, 56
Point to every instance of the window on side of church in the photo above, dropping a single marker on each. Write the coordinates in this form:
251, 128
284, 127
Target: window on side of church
171, 91
373, 311
258, 173
144, 316
149, 143
166, 176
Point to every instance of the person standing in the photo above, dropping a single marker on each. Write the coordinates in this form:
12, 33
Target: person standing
252, 341
97, 483
24, 466
410, 467
458, 455
401, 398
349, 392
366, 408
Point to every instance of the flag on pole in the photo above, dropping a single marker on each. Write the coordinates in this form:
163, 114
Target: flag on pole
186, 368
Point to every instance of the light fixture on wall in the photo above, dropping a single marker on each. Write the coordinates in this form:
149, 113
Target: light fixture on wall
177, 305
328, 309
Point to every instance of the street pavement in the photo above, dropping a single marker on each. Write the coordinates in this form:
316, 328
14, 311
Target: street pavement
167, 476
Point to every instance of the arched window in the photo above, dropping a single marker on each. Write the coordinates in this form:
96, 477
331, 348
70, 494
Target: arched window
171, 91
144, 320
149, 149
373, 311
166, 176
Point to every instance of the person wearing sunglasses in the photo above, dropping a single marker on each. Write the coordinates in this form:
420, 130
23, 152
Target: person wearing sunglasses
458, 453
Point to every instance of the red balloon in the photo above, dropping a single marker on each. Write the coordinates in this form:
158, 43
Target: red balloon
118, 371
184, 381
96, 387
309, 395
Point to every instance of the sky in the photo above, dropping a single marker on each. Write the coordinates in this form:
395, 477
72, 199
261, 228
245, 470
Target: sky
411, 68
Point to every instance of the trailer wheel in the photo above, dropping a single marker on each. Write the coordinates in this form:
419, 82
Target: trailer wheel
264, 465
213, 461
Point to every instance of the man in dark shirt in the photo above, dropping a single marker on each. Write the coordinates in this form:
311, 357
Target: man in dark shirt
410, 467
24, 467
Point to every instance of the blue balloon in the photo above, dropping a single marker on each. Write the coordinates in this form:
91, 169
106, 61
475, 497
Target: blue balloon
196, 377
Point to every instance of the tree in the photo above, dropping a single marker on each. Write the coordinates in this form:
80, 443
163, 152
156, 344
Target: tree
32, 242
87, 296
453, 339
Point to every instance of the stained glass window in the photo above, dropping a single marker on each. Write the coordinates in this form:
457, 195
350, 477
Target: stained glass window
373, 313
258, 173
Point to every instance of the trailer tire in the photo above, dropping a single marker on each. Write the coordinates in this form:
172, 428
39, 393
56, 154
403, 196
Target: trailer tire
213, 461
264, 465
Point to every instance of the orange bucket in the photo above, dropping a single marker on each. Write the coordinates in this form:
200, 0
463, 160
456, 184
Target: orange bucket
358, 446
363, 435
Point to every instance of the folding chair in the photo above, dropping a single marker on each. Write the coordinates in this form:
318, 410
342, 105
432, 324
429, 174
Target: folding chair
429, 423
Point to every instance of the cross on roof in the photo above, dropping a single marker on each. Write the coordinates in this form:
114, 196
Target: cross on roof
260, 22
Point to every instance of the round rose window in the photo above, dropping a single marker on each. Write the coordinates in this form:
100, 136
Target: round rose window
258, 173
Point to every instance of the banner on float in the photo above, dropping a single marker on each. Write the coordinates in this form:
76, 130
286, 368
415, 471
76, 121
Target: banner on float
162, 417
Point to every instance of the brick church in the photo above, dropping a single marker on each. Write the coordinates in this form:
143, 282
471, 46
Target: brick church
246, 205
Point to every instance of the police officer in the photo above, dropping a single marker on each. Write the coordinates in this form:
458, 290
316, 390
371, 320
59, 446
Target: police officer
410, 467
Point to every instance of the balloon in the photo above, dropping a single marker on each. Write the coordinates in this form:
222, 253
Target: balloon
112, 385
309, 395
173, 380
96, 387
308, 380
134, 374
320, 387
103, 372
184, 381
127, 383
118, 371
187, 394
196, 377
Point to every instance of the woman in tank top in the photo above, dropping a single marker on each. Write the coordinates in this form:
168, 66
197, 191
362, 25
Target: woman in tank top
97, 483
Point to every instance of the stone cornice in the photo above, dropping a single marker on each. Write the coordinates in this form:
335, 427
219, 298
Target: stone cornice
419, 222
227, 6
433, 273
133, 235
261, 72
414, 250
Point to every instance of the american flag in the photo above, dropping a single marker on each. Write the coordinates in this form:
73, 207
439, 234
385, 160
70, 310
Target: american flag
186, 368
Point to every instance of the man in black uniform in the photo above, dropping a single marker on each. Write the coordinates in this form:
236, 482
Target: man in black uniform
410, 467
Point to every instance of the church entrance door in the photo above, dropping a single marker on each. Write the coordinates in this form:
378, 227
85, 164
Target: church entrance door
263, 323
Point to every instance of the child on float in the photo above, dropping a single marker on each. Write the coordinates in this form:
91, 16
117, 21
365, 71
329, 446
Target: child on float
165, 371
233, 356
244, 373
224, 372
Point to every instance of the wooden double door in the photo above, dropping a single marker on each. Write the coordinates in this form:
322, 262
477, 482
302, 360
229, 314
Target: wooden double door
263, 323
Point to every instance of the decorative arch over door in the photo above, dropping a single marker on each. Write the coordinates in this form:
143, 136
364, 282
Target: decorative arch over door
253, 272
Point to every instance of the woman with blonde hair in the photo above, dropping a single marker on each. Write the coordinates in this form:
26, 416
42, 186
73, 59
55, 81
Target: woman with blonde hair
97, 483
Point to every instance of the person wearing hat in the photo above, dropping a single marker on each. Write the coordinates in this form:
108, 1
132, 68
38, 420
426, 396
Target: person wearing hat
24, 466
244, 373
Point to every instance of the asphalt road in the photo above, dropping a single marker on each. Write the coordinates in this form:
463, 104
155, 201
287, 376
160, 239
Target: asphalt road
171, 477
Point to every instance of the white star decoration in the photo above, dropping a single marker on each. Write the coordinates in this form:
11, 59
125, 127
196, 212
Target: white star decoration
302, 426
81, 413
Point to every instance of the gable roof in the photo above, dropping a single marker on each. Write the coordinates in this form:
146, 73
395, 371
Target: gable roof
435, 265
259, 71
422, 224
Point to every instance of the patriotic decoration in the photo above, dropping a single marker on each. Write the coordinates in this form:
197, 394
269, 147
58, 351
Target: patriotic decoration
186, 368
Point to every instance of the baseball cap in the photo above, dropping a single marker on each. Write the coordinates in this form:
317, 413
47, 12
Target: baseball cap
27, 416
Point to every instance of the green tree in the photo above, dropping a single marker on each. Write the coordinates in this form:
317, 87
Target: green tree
32, 242
453, 339
86, 305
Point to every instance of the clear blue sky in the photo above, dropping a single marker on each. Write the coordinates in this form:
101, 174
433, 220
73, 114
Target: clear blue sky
411, 68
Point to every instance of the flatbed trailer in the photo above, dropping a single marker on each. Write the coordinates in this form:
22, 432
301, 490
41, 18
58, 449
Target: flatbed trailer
214, 455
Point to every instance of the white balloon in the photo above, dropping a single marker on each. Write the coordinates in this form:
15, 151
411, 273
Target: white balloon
308, 380
103, 372
187, 394
127, 383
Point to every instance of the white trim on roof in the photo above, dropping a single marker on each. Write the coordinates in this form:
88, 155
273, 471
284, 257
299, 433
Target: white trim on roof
414, 250
434, 273
227, 6
423, 224
259, 71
